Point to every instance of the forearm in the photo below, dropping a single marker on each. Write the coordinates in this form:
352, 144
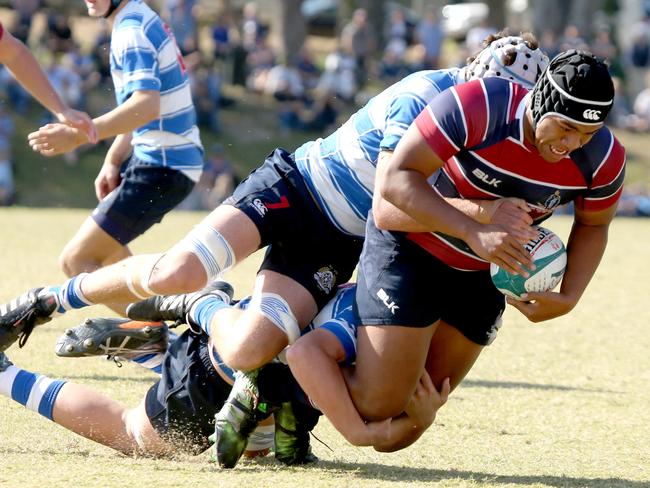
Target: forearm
389, 217
321, 379
403, 433
409, 191
120, 149
141, 108
585, 249
23, 66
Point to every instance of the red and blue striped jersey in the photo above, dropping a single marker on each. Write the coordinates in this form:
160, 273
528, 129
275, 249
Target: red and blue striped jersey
477, 129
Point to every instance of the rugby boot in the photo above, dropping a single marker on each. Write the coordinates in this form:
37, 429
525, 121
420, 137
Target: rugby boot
4, 362
19, 317
293, 423
176, 307
238, 418
113, 337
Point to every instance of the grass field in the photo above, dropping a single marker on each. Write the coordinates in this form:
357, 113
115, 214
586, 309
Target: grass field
560, 404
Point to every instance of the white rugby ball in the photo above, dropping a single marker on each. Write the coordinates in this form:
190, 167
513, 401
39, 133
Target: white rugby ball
549, 256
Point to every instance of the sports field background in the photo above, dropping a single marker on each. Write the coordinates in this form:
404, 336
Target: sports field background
561, 404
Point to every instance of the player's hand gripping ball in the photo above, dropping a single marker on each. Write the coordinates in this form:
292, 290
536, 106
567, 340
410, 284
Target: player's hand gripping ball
549, 256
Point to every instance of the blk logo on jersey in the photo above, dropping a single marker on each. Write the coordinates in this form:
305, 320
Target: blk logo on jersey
591, 114
485, 178
383, 296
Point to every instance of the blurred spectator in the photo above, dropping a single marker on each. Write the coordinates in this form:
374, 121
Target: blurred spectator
181, 17
603, 47
358, 40
100, 54
206, 94
641, 105
638, 57
221, 36
59, 33
634, 202
251, 29
16, 96
476, 35
339, 76
24, 10
549, 44
283, 82
317, 114
429, 33
258, 63
6, 169
572, 39
309, 72
397, 32
392, 67
217, 182
621, 116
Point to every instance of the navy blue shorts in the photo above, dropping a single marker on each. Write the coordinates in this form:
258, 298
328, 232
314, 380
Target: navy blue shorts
182, 404
145, 194
399, 283
303, 244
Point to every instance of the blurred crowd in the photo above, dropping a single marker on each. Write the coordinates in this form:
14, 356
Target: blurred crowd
310, 94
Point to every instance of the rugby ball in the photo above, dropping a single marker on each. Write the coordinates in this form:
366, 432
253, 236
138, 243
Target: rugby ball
549, 256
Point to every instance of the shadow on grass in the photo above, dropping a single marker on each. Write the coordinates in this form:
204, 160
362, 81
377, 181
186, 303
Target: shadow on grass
102, 377
529, 386
385, 472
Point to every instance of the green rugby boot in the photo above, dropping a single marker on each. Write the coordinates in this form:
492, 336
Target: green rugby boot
238, 418
293, 423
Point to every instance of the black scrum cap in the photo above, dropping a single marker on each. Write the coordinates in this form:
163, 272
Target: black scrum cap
575, 86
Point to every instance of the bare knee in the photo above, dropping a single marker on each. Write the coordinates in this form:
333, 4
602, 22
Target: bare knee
72, 262
247, 354
177, 274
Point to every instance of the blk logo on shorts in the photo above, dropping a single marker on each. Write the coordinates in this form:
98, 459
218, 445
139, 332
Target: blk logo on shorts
383, 296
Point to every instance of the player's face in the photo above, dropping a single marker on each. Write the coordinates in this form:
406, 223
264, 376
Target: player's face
97, 8
556, 138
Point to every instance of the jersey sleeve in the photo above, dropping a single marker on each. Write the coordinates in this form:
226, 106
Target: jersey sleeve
406, 102
607, 180
456, 119
138, 61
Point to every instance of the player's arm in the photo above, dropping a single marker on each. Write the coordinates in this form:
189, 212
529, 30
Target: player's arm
420, 413
585, 249
142, 107
403, 183
314, 361
23, 66
109, 174
512, 213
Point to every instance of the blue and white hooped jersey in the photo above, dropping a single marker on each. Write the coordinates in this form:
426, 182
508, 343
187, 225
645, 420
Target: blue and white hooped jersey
340, 169
144, 56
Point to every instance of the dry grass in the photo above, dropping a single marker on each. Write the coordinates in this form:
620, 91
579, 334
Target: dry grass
561, 404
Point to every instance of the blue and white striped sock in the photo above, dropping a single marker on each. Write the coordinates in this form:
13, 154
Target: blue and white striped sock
69, 295
204, 309
153, 360
34, 391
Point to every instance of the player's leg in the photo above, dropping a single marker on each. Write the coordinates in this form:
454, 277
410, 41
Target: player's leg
82, 410
145, 194
451, 355
398, 303
89, 249
464, 330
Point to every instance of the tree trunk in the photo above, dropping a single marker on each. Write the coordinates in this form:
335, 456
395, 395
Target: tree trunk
288, 28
